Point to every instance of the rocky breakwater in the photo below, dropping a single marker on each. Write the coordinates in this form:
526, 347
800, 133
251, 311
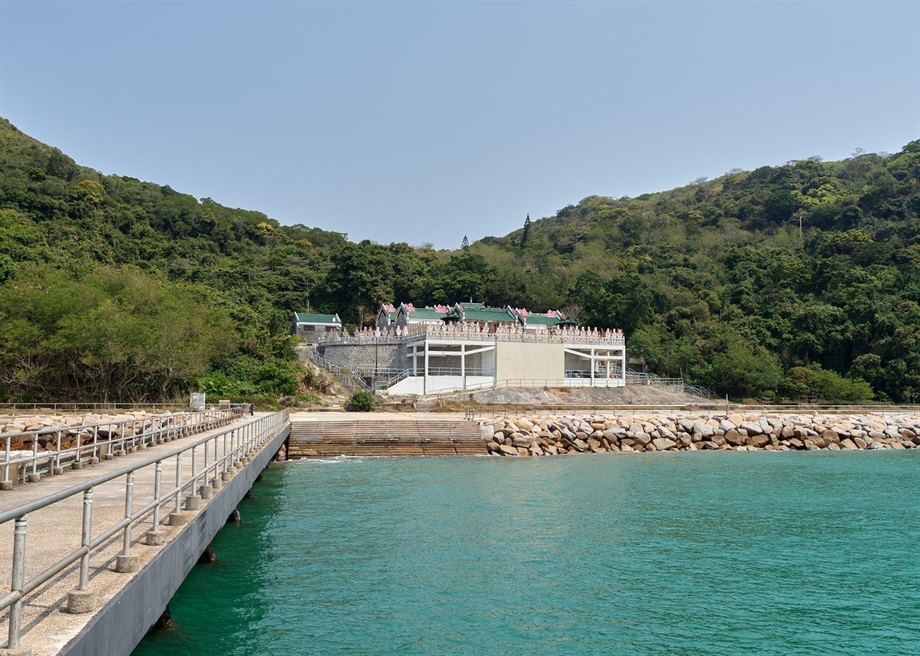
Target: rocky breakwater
45, 429
570, 434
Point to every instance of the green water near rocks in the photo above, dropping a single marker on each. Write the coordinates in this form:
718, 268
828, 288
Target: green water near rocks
689, 553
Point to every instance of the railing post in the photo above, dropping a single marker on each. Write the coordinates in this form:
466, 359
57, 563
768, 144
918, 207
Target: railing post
79, 457
6, 483
56, 467
82, 600
178, 482
125, 562
154, 535
205, 491
192, 501
35, 454
18, 579
87, 537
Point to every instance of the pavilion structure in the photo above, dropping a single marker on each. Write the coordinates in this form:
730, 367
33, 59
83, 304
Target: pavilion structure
479, 351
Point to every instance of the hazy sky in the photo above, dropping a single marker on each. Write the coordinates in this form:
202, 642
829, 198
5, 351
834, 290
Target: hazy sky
428, 121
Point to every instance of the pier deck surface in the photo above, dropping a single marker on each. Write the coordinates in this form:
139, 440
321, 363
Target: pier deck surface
55, 531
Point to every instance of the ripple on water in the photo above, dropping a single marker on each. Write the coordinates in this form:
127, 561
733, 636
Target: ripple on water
663, 554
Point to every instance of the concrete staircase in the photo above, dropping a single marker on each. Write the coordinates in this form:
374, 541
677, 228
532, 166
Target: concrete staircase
390, 437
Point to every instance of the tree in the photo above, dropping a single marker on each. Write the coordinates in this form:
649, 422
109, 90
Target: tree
526, 234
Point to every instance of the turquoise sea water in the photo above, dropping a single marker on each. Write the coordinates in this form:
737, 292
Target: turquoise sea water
687, 553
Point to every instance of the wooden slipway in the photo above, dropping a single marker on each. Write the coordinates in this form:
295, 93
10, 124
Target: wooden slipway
383, 434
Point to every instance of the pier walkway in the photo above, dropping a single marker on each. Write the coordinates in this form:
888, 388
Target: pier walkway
95, 554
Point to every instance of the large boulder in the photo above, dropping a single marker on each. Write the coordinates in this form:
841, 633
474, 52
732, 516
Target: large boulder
734, 438
751, 427
663, 443
830, 436
523, 424
701, 428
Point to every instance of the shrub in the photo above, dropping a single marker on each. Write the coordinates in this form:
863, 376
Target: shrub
361, 402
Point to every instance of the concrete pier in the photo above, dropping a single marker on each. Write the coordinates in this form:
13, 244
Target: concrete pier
331, 434
126, 593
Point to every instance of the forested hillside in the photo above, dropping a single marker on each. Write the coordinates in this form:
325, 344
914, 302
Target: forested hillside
794, 281
112, 288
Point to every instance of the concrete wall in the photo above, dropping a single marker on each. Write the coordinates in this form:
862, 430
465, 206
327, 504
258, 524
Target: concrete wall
362, 356
529, 361
416, 384
126, 618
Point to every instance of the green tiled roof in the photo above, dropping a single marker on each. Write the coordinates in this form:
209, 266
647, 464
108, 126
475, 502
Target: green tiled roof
487, 314
425, 313
541, 320
303, 317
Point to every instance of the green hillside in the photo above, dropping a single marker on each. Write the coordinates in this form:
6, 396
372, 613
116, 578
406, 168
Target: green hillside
794, 281
120, 289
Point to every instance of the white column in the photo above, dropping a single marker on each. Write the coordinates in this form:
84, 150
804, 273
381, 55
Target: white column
592, 366
623, 361
463, 363
425, 379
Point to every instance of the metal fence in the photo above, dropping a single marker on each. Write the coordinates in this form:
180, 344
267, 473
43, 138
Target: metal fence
477, 333
214, 459
76, 407
94, 442
351, 380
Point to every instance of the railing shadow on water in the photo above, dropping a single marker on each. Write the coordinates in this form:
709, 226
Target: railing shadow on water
192, 472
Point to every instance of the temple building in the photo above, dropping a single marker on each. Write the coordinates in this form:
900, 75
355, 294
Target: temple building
470, 346
405, 314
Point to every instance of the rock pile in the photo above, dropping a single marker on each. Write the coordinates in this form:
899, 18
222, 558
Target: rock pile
47, 427
556, 435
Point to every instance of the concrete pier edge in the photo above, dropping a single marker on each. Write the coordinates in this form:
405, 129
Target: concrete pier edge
122, 622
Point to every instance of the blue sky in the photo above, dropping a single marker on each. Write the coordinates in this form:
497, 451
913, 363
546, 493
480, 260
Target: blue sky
425, 122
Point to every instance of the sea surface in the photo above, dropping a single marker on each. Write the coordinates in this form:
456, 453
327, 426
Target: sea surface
683, 553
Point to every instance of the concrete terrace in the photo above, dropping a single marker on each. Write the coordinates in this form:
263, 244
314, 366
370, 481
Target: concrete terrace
55, 531
331, 434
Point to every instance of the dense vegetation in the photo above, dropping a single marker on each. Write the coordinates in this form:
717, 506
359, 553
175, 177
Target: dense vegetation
794, 281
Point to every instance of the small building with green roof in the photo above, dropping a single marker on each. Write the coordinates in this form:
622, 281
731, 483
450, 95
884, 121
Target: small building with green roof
312, 327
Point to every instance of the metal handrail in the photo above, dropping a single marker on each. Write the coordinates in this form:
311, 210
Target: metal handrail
456, 371
72, 405
89, 444
392, 380
351, 380
531, 382
230, 448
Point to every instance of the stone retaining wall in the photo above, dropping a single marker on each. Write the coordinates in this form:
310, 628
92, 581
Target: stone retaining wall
564, 434
363, 356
